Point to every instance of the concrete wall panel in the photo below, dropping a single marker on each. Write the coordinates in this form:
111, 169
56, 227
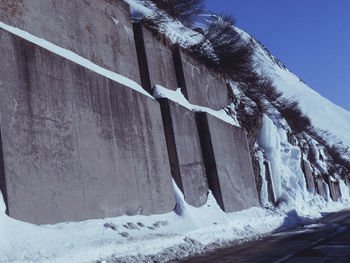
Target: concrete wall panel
185, 154
201, 86
334, 189
155, 58
75, 144
309, 178
270, 191
228, 163
320, 187
98, 30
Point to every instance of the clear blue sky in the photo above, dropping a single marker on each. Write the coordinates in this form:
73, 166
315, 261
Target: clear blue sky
311, 37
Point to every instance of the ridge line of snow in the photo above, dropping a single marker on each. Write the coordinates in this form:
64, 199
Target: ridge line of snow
177, 96
71, 56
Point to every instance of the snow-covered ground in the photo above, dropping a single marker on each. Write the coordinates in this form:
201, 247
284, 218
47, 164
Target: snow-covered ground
187, 230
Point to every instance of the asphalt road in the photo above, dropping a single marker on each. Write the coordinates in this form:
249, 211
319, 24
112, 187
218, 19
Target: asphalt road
325, 240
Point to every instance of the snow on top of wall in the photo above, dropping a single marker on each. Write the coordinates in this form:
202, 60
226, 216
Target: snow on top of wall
74, 58
178, 97
173, 29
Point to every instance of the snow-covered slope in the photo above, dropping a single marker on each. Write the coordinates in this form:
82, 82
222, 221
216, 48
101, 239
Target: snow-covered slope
324, 114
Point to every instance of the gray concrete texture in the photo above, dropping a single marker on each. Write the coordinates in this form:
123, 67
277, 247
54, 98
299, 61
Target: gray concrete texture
199, 84
228, 163
270, 191
185, 154
334, 189
98, 30
309, 178
75, 144
155, 58
319, 182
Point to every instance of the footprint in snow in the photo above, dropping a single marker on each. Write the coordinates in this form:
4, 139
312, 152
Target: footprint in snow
111, 226
157, 225
124, 234
132, 226
140, 224
163, 223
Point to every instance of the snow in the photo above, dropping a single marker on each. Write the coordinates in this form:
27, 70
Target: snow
264, 200
288, 178
323, 113
173, 29
269, 141
178, 97
74, 58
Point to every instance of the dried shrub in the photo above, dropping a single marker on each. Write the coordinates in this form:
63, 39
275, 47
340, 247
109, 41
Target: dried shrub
153, 21
296, 119
224, 49
182, 10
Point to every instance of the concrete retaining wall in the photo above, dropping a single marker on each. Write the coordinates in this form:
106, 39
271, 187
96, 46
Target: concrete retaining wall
199, 84
228, 163
270, 191
98, 30
185, 155
319, 182
75, 144
154, 52
334, 189
309, 178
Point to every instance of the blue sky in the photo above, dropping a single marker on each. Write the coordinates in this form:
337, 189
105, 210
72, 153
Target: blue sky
311, 37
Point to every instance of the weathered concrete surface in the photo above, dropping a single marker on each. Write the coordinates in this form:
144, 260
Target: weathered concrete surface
199, 84
98, 30
270, 192
154, 52
334, 189
185, 154
308, 173
75, 144
320, 184
228, 163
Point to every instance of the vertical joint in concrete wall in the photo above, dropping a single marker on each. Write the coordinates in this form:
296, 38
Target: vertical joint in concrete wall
308, 175
142, 57
170, 142
270, 192
180, 76
2, 175
208, 156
